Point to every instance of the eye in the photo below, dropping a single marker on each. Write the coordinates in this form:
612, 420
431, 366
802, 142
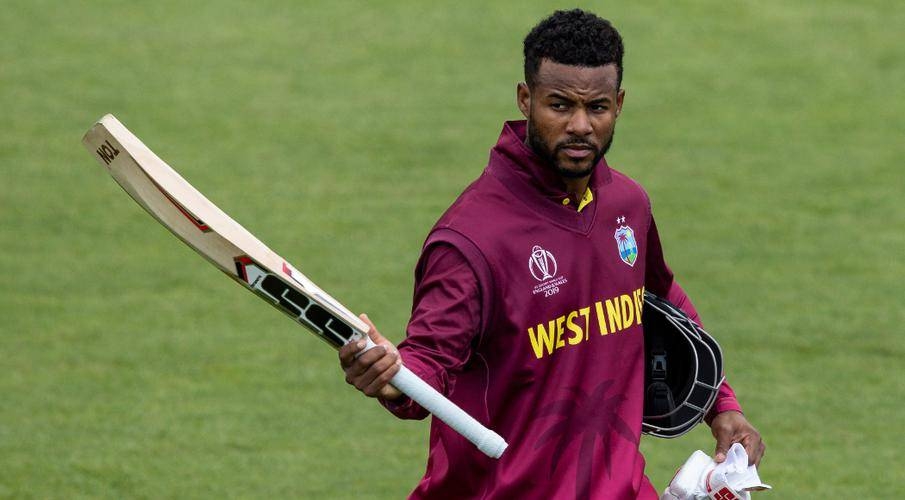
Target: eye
559, 106
598, 108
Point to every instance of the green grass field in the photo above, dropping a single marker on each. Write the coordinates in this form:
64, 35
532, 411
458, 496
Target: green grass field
769, 135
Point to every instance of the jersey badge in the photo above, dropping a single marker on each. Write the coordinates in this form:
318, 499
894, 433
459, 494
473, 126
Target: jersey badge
542, 264
625, 242
543, 268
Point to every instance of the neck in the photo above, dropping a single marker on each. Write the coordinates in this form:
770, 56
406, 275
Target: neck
576, 187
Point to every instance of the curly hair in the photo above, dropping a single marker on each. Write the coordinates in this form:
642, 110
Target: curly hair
574, 37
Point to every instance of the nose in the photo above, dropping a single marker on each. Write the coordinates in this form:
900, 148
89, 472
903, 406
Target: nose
579, 123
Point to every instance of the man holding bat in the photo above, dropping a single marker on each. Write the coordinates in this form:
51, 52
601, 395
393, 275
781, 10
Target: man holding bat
528, 296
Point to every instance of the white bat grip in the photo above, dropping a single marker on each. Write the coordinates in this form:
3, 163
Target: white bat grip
489, 442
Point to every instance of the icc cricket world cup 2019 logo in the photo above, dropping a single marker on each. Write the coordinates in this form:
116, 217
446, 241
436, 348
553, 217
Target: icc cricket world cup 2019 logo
541, 264
543, 267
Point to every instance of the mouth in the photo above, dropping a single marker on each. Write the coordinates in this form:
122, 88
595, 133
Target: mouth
577, 151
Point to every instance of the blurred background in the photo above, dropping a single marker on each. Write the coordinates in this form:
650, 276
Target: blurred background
769, 135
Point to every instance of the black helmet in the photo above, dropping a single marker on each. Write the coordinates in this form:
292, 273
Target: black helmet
683, 369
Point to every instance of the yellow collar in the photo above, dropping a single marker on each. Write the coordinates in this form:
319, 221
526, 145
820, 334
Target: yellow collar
587, 198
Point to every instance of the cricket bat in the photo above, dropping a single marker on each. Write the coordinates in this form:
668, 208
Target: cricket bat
190, 216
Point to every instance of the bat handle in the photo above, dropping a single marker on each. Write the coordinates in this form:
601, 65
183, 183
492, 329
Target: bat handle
489, 442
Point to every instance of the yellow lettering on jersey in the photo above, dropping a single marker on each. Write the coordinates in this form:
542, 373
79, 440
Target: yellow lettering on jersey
577, 334
601, 318
543, 339
586, 312
628, 309
613, 313
559, 331
639, 303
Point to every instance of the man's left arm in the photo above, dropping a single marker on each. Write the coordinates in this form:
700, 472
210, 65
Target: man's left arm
725, 397
726, 420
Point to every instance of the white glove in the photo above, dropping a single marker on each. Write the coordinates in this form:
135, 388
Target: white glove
702, 478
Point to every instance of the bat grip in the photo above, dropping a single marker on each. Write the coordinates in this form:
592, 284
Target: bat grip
489, 442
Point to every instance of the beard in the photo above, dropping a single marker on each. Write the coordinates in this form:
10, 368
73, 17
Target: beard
551, 155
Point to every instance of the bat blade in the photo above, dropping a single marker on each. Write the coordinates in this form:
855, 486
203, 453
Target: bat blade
194, 219
200, 224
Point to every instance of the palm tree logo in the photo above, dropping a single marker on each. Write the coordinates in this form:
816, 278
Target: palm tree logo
628, 248
590, 417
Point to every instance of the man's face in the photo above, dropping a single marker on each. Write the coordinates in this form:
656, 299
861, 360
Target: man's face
571, 112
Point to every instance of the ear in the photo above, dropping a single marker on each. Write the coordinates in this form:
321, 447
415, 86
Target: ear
620, 97
523, 98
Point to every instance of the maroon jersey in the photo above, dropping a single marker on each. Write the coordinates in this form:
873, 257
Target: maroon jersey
528, 315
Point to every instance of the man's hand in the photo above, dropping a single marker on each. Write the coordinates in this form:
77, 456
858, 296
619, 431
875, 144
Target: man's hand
732, 427
371, 371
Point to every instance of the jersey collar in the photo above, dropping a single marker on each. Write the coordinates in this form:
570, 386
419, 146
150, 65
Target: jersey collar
534, 180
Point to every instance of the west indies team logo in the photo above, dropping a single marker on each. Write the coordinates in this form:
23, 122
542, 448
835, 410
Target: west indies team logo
628, 248
541, 264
